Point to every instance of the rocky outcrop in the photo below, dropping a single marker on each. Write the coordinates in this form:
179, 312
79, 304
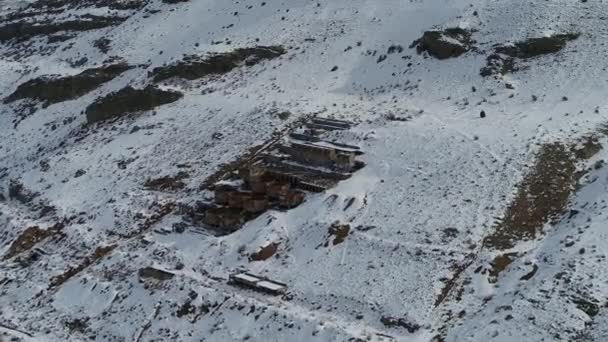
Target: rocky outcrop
451, 42
23, 30
52, 89
265, 252
537, 46
129, 100
195, 67
503, 59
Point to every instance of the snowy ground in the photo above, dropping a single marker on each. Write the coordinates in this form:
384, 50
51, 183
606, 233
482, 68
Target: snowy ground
443, 168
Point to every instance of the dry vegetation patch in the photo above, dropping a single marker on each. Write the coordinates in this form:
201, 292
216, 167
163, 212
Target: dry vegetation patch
542, 195
30, 237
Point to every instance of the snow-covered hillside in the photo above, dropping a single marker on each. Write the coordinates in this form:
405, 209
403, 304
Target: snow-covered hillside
479, 214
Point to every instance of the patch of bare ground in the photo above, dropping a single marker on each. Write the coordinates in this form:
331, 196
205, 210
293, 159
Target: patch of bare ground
99, 253
30, 237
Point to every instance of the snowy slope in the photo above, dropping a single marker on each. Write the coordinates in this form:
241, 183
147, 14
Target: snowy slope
433, 187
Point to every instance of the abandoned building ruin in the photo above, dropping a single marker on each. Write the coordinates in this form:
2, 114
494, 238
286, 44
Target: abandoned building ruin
280, 176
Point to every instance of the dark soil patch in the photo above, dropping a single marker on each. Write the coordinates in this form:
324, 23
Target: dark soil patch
129, 100
99, 253
265, 252
195, 67
154, 273
504, 58
24, 30
30, 237
167, 182
451, 42
52, 89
